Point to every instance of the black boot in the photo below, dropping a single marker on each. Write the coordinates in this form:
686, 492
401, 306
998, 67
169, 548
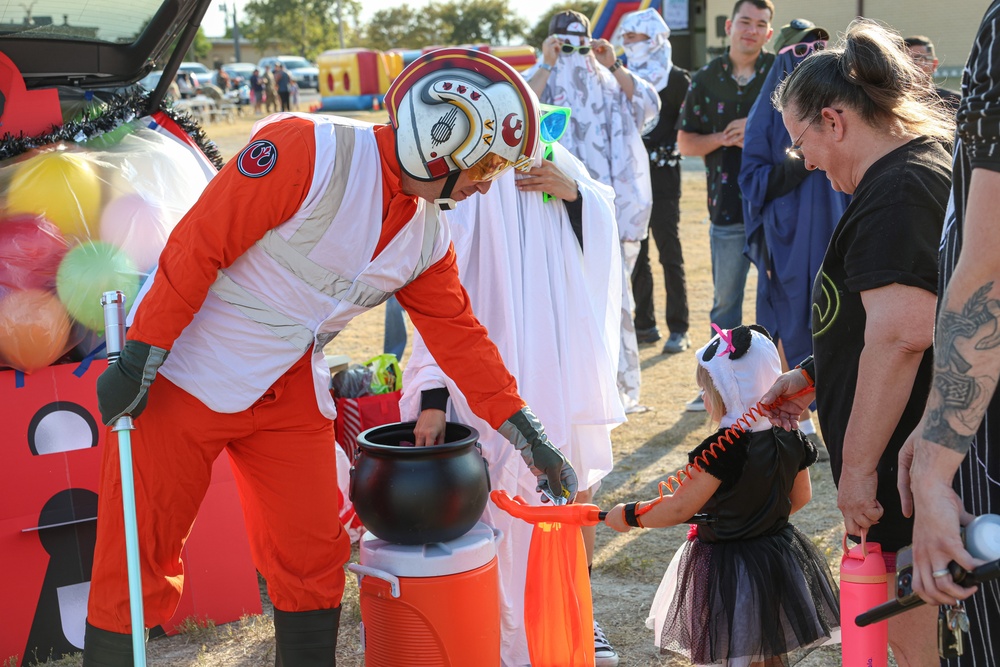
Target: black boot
106, 649
306, 638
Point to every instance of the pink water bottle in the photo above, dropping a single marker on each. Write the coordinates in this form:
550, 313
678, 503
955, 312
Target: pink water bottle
863, 586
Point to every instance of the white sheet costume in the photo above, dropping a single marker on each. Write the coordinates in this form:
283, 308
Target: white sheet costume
605, 133
553, 312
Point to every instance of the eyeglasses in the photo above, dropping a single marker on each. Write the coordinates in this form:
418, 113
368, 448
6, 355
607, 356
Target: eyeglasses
802, 49
569, 48
921, 58
795, 150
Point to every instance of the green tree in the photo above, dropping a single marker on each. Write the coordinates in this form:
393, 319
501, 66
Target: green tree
541, 29
303, 27
400, 28
444, 23
478, 21
200, 47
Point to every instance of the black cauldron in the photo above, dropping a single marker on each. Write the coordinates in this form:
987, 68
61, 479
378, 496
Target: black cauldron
416, 495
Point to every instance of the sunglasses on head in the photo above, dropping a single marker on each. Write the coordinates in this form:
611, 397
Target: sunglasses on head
802, 49
569, 48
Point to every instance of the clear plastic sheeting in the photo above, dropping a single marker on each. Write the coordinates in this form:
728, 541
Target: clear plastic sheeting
77, 220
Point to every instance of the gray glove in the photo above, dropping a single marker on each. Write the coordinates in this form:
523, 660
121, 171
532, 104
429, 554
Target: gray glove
122, 388
556, 477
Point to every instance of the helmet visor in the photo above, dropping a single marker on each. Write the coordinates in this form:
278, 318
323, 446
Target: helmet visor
489, 167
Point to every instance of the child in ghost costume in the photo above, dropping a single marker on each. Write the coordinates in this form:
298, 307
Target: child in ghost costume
748, 588
551, 301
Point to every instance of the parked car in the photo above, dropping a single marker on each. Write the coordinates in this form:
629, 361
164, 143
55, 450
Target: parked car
239, 73
202, 75
304, 72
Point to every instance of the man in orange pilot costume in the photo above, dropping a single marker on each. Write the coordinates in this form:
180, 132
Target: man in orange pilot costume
316, 221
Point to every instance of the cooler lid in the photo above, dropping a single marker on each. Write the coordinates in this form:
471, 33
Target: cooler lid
474, 549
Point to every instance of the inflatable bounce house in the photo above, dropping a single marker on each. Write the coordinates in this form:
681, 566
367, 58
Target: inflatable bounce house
91, 184
610, 12
357, 79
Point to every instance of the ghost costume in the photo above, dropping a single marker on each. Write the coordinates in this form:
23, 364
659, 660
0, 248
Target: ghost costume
605, 133
554, 314
649, 59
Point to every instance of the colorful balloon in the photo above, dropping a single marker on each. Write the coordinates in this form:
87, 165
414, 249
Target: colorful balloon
30, 251
60, 186
34, 329
88, 271
137, 226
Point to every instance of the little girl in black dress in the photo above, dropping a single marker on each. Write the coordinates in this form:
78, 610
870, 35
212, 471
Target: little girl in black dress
747, 588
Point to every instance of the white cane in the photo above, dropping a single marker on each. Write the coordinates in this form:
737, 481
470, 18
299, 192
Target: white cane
114, 333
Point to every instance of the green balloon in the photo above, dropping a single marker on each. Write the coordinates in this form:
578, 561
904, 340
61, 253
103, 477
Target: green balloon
110, 139
87, 272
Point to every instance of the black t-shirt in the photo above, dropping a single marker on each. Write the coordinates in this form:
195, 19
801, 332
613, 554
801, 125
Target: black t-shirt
889, 234
757, 470
664, 135
661, 141
713, 101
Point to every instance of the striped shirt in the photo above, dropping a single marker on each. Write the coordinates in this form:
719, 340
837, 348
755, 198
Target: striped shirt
978, 147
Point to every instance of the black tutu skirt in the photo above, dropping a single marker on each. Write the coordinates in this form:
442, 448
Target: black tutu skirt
733, 603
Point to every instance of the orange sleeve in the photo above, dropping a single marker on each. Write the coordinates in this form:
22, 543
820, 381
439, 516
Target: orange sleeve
441, 311
248, 197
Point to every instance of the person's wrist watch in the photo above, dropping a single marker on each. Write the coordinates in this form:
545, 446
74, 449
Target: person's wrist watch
616, 66
545, 66
808, 368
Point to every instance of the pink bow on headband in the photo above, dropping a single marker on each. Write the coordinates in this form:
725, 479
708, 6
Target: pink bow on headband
727, 338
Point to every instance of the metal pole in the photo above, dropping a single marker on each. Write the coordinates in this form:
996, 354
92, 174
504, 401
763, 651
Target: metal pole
236, 35
114, 333
340, 24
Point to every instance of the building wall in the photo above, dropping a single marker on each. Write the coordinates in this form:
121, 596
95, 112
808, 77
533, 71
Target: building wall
951, 26
224, 51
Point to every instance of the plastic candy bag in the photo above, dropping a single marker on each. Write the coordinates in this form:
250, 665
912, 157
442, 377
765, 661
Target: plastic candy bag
386, 374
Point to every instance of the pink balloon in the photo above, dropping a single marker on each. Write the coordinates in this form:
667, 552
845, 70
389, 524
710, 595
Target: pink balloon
30, 251
137, 226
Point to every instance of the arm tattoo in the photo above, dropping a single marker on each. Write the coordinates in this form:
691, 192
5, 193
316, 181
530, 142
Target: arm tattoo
961, 398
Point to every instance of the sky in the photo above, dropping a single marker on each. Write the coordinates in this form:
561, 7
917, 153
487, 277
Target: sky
214, 23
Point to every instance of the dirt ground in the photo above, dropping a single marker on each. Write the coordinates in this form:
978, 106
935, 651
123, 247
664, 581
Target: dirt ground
651, 446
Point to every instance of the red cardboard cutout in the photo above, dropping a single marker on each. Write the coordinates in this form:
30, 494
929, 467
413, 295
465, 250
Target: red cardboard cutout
50, 456
30, 113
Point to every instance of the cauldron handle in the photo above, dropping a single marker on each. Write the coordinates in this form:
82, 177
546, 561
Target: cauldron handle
489, 487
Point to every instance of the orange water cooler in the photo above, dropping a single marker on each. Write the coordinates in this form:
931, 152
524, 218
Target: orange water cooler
432, 604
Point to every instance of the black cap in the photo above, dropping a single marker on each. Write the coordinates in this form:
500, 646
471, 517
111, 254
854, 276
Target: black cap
570, 23
797, 31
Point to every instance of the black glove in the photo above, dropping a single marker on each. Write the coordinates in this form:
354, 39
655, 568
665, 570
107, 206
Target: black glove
556, 477
121, 389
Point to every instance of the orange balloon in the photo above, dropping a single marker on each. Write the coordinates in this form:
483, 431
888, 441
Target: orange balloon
34, 329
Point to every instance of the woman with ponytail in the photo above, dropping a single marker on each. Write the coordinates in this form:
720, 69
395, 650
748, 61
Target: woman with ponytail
861, 113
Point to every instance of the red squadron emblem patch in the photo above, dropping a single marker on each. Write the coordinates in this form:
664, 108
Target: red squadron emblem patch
511, 130
257, 159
